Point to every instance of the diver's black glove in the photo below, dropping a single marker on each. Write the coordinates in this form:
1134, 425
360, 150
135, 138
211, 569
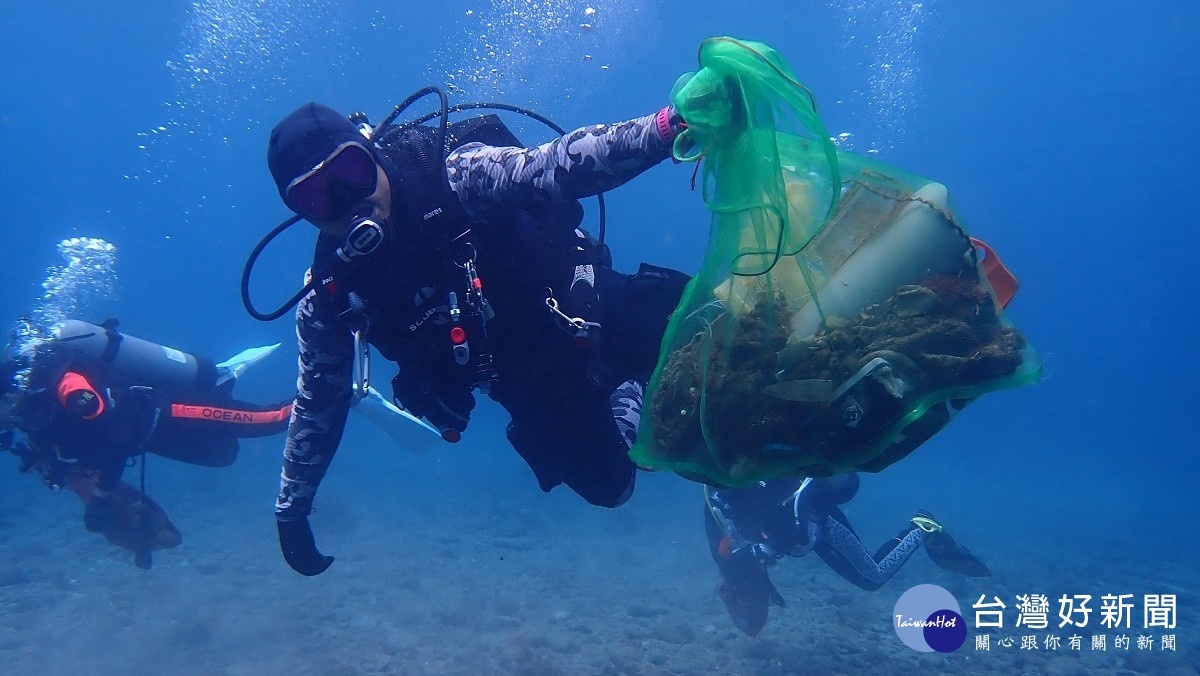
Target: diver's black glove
450, 412
300, 548
100, 514
30, 458
52, 470
448, 408
806, 534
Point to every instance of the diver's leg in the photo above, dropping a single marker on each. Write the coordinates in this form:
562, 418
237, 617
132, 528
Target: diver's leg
536, 446
231, 417
635, 312
207, 434
626, 402
841, 548
193, 443
269, 419
572, 438
595, 461
581, 439
636, 308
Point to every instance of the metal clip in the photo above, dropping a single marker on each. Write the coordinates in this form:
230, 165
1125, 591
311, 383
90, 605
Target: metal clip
584, 332
470, 259
552, 303
360, 386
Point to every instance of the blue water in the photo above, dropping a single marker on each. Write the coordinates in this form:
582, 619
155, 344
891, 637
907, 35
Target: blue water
1065, 132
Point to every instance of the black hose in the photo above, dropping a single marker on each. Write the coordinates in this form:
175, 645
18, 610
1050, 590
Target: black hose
250, 261
443, 112
458, 108
493, 106
143, 558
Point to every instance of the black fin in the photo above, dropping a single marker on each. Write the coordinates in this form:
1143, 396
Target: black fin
951, 556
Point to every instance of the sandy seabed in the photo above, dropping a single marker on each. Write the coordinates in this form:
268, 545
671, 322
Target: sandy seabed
471, 570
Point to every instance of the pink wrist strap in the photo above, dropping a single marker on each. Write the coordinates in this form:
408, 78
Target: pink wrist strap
662, 121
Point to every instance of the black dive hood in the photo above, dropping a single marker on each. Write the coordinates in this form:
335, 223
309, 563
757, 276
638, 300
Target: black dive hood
364, 234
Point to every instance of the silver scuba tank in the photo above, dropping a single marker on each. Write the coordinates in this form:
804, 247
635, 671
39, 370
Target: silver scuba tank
154, 364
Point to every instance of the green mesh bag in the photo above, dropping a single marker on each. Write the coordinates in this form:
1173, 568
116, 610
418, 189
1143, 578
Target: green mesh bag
842, 314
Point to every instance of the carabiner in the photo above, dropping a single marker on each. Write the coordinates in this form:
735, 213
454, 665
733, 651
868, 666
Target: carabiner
360, 386
552, 303
470, 259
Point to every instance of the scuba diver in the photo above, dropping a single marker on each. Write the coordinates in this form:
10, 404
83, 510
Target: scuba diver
92, 399
458, 253
751, 528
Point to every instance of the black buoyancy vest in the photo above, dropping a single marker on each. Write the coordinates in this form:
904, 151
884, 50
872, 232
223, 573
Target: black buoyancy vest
401, 288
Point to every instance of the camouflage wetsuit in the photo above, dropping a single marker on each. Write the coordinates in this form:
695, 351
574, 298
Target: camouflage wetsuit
589, 456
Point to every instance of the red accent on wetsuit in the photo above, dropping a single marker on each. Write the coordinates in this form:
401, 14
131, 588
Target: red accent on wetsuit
230, 415
725, 547
77, 395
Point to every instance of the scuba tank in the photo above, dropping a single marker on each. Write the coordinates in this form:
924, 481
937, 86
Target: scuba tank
905, 248
154, 364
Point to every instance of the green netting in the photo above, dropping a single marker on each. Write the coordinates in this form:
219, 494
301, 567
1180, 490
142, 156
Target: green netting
840, 317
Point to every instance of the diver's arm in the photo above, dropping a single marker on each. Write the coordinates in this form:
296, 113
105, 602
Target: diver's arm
318, 419
321, 406
111, 466
584, 162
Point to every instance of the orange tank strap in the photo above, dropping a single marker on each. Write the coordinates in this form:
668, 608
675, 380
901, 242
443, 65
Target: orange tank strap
230, 415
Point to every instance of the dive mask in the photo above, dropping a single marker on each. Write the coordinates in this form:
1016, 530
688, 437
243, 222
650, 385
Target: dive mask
345, 177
